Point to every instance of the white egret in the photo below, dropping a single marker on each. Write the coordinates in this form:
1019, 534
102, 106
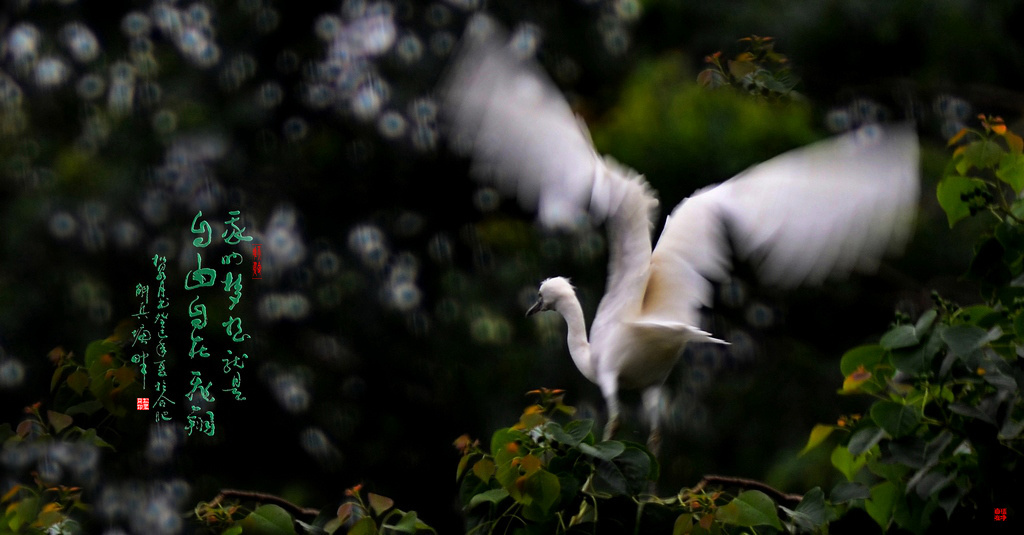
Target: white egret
809, 214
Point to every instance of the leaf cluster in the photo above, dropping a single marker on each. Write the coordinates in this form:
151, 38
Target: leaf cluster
985, 165
99, 385
102, 380
372, 515
942, 438
549, 474
759, 71
41, 509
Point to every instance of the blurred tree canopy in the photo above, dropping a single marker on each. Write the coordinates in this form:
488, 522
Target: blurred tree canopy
388, 320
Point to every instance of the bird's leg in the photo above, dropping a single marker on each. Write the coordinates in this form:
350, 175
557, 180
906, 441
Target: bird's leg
652, 398
609, 384
612, 426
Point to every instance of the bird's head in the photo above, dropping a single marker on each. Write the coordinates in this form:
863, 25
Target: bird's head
552, 291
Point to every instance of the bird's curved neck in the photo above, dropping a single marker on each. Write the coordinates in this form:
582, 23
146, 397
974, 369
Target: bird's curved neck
579, 347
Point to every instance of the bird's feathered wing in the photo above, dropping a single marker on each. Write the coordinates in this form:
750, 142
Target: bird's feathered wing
822, 210
521, 135
626, 202
818, 211
520, 132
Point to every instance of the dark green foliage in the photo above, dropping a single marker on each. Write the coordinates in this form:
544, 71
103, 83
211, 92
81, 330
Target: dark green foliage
759, 70
61, 438
547, 474
942, 440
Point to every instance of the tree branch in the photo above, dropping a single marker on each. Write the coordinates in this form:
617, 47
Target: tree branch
750, 484
263, 497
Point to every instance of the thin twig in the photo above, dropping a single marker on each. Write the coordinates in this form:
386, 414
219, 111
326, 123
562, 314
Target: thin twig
263, 497
745, 483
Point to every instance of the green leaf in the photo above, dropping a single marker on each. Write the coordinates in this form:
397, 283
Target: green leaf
895, 418
947, 363
626, 475
58, 421
919, 359
887, 468
506, 476
1011, 171
1009, 235
818, 435
639, 467
930, 483
983, 153
909, 452
365, 526
579, 430
606, 450
268, 520
554, 431
97, 349
24, 513
864, 439
953, 192
949, 497
859, 381
899, 336
86, 407
711, 79
964, 339
847, 463
971, 411
90, 436
484, 469
380, 504
409, 523
935, 447
544, 488
57, 374
50, 517
233, 530
489, 496
811, 512
981, 315
911, 361
1018, 325
1011, 429
882, 503
500, 441
78, 381
332, 526
750, 508
998, 378
868, 356
845, 491
463, 464
925, 321
741, 68
683, 524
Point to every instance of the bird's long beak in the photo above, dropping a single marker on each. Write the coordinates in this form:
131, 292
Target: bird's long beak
537, 307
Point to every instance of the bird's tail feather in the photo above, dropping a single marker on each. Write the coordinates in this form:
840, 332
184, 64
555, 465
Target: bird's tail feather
687, 332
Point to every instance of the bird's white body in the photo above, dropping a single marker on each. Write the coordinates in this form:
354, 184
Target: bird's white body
812, 213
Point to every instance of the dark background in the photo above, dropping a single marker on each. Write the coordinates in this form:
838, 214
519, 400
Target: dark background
389, 319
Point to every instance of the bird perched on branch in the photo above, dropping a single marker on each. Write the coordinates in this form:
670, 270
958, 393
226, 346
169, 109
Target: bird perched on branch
812, 213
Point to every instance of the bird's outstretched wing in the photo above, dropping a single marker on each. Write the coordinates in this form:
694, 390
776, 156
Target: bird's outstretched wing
520, 133
816, 212
518, 129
